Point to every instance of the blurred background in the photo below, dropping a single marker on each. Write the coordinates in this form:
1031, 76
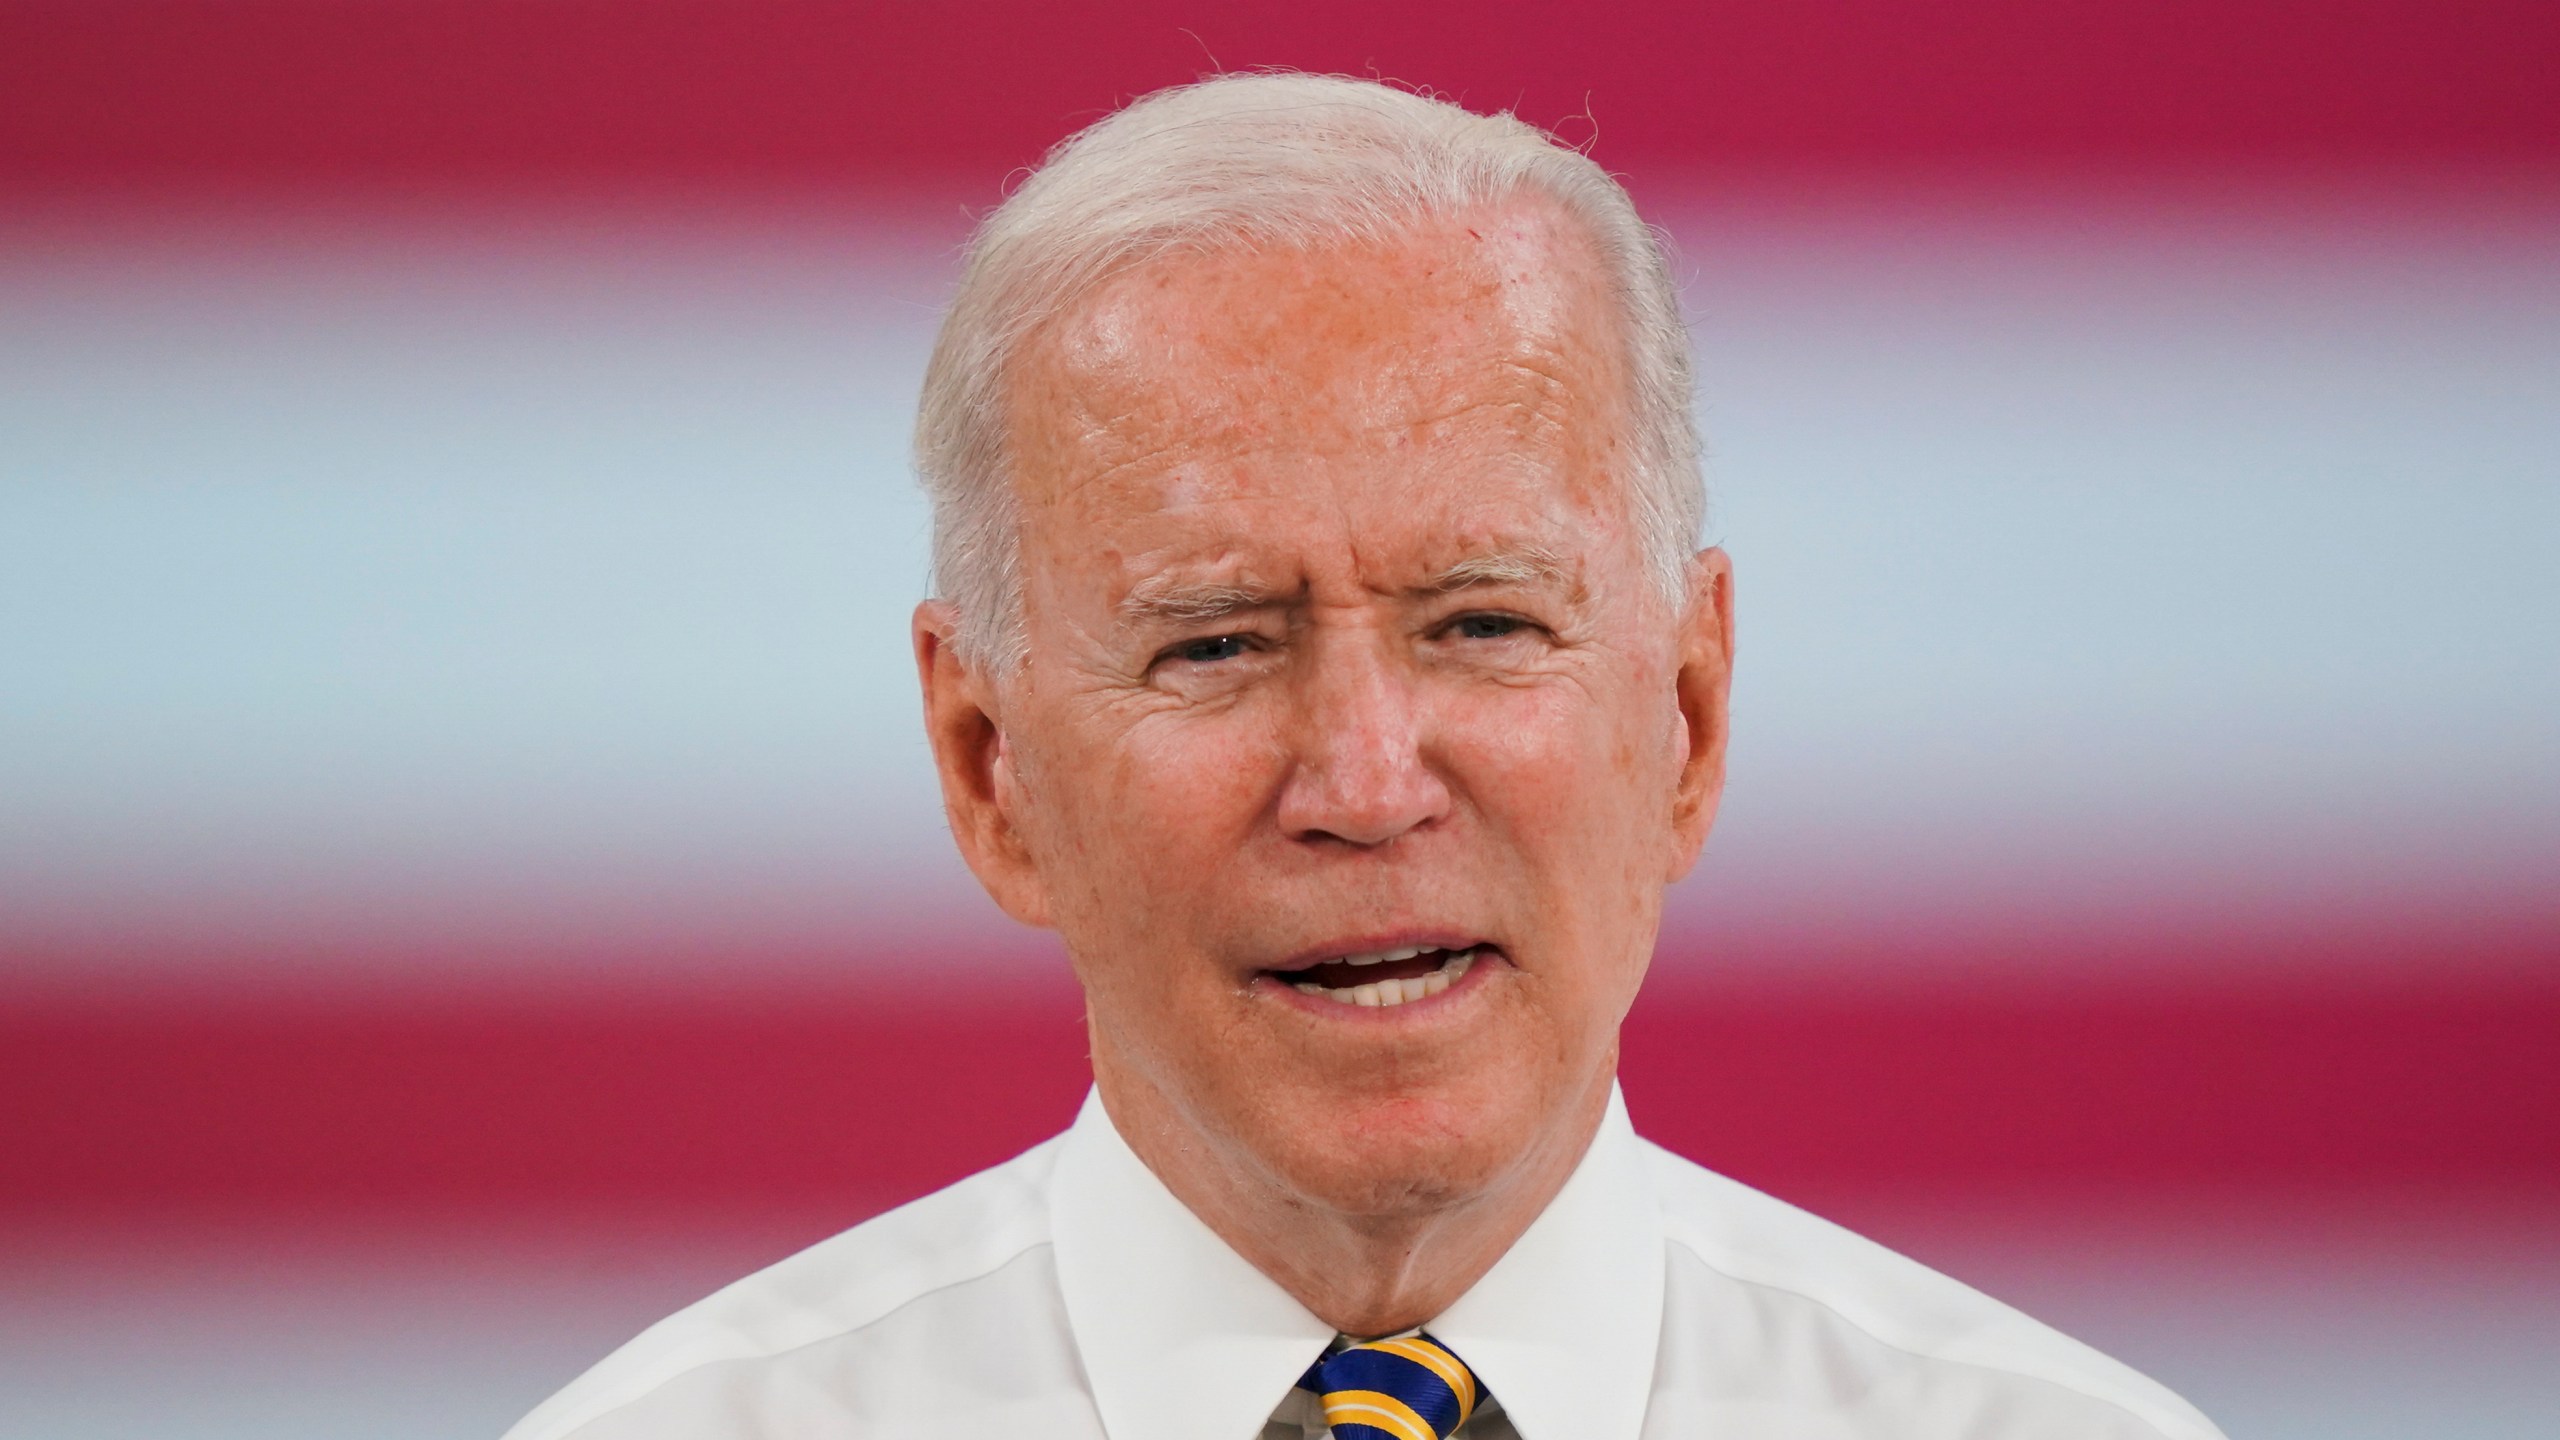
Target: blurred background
470, 880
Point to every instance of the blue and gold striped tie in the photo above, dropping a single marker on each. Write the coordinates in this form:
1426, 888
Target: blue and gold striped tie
1406, 1388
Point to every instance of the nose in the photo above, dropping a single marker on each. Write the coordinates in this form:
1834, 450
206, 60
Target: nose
1360, 775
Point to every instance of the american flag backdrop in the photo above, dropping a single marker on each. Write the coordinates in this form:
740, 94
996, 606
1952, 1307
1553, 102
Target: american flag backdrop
470, 875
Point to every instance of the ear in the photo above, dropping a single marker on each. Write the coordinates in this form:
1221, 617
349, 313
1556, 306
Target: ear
982, 794
1705, 686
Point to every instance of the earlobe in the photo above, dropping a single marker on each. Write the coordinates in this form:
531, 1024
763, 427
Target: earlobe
1704, 686
982, 796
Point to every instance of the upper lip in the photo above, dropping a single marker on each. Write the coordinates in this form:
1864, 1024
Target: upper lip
1371, 944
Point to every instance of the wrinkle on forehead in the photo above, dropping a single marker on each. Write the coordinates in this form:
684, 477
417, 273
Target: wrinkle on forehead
1320, 349
1254, 417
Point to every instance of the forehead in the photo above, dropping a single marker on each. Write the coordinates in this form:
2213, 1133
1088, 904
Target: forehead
1468, 355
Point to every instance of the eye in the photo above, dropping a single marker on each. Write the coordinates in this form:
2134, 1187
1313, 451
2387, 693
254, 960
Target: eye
1208, 650
1485, 627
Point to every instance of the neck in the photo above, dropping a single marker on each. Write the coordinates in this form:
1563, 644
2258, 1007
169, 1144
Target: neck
1366, 1271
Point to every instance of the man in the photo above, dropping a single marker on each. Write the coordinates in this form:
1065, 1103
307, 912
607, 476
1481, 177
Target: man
1322, 652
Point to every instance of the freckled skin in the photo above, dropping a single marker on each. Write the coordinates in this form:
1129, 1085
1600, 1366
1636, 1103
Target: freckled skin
1352, 753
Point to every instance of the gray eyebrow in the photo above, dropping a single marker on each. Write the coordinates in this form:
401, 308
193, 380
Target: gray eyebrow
1176, 602
1508, 567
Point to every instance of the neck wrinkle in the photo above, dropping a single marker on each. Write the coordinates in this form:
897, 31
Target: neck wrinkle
1368, 1276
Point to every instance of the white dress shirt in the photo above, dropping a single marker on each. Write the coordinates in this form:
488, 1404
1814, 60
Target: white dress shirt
1067, 1295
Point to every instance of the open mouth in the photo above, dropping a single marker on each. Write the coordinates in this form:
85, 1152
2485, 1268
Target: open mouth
1382, 978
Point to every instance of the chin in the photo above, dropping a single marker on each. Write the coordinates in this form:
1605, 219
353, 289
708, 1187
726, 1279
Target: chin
1406, 1153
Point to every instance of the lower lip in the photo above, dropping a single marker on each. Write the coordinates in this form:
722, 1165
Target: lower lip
1486, 959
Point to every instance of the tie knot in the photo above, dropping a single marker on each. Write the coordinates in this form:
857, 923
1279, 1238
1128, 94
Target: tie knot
1407, 1388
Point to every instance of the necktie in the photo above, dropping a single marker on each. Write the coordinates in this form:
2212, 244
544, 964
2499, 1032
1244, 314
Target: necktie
1406, 1388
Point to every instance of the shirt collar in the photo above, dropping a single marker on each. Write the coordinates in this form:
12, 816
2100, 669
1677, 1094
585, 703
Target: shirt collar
1182, 1338
1564, 1328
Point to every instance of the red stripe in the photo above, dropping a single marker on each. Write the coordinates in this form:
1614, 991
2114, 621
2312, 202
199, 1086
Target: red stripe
482, 92
2269, 1083
844, 1102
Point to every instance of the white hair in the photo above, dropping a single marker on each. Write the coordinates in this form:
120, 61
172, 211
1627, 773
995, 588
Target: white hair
1264, 158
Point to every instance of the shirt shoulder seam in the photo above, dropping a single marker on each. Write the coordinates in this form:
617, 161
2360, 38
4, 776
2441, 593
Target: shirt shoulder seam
2168, 1427
1001, 1256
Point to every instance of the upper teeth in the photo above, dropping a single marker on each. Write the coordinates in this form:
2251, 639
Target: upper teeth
1380, 957
1396, 992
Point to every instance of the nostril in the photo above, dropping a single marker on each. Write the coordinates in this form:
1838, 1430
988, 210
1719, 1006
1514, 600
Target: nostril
1363, 790
1367, 831
1328, 837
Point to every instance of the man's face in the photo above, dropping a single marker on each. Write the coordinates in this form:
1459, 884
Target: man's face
1341, 643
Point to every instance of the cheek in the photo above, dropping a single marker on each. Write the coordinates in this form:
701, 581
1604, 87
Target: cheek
1518, 754
1197, 780
1153, 804
1577, 793
1555, 761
